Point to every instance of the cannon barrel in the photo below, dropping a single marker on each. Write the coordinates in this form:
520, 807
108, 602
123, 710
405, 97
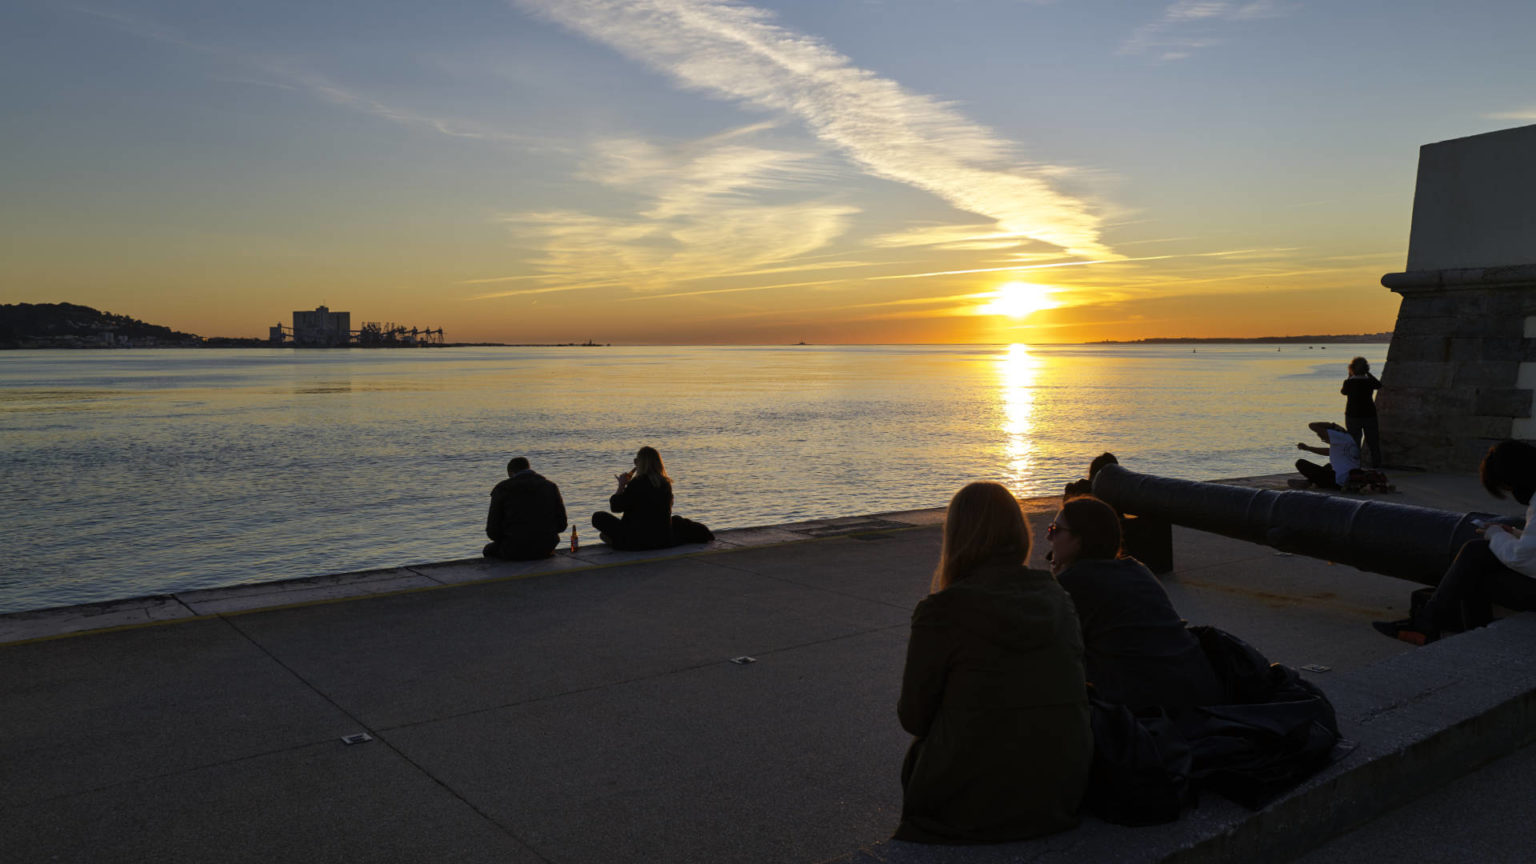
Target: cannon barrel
1401, 540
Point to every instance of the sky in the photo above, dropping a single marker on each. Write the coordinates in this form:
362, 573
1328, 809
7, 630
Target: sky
708, 172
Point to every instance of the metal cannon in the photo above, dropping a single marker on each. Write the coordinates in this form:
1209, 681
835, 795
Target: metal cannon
1401, 540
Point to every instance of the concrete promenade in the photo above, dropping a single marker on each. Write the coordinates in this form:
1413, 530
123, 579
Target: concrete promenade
591, 708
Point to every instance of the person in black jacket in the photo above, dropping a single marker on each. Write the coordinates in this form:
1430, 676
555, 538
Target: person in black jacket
1138, 652
645, 498
526, 517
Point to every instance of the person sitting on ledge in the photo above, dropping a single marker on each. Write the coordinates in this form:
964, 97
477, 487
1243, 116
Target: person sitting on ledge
1342, 452
993, 688
526, 517
645, 498
1497, 568
1138, 652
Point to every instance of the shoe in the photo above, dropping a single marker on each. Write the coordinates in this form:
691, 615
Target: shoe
1406, 631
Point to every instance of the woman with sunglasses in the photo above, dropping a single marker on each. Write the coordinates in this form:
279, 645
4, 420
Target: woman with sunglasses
993, 688
1137, 650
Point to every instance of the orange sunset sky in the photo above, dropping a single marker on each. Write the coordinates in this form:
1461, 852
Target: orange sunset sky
701, 171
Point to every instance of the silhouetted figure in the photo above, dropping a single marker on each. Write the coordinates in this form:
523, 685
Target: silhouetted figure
1138, 652
993, 688
1342, 452
1360, 407
526, 517
644, 497
1084, 485
1498, 568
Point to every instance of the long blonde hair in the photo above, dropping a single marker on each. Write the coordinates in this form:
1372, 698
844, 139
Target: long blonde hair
648, 465
983, 519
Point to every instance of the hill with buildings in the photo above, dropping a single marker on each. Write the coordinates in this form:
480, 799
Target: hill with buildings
66, 325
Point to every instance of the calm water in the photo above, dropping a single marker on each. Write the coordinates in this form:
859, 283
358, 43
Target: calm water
136, 472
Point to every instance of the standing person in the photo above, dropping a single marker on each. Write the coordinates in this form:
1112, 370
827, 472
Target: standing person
526, 516
1499, 567
1342, 452
644, 497
993, 688
1138, 651
1360, 407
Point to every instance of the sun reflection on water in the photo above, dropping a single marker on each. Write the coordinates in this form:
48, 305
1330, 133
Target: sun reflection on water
1016, 372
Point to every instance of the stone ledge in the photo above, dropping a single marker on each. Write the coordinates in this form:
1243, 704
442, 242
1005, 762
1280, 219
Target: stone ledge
1512, 276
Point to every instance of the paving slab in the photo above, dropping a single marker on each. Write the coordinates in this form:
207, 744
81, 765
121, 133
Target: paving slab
265, 595
317, 804
720, 763
396, 660
64, 620
90, 712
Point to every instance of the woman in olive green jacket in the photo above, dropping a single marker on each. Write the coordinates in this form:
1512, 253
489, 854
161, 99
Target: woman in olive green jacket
993, 688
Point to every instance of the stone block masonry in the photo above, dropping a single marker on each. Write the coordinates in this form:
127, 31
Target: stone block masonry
1462, 364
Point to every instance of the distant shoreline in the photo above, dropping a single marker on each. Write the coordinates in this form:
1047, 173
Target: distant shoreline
1336, 339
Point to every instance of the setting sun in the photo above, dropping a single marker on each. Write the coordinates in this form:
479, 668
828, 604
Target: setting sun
1019, 300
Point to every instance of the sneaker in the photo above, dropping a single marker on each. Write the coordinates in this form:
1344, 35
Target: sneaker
1406, 631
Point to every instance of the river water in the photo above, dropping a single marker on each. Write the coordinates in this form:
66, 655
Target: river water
131, 472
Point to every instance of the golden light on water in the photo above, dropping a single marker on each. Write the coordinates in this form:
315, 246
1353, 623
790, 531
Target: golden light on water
1016, 372
1019, 300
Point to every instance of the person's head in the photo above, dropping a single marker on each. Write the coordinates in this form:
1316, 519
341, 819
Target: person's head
983, 520
1510, 466
1085, 529
648, 464
1322, 428
516, 464
1099, 462
1359, 366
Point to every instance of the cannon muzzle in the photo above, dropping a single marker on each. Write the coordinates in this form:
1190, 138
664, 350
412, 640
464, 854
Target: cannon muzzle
1401, 540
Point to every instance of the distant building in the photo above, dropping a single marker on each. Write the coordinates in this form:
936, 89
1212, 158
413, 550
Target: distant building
322, 328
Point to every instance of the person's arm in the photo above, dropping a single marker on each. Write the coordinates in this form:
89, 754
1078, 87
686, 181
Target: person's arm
922, 680
557, 508
1321, 451
493, 517
1515, 549
1375, 382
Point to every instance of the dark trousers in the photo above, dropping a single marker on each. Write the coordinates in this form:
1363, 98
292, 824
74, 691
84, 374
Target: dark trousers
622, 536
522, 549
1366, 426
1475, 581
1320, 475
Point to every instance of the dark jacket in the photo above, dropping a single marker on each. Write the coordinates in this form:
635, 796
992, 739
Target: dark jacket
993, 690
647, 509
526, 509
1138, 651
1357, 395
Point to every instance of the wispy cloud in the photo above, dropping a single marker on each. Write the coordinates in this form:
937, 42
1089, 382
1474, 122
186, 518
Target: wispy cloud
1519, 114
701, 212
1229, 254
1190, 25
734, 52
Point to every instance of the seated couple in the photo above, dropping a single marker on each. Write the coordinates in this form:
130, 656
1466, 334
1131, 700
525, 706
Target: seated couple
1008, 669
